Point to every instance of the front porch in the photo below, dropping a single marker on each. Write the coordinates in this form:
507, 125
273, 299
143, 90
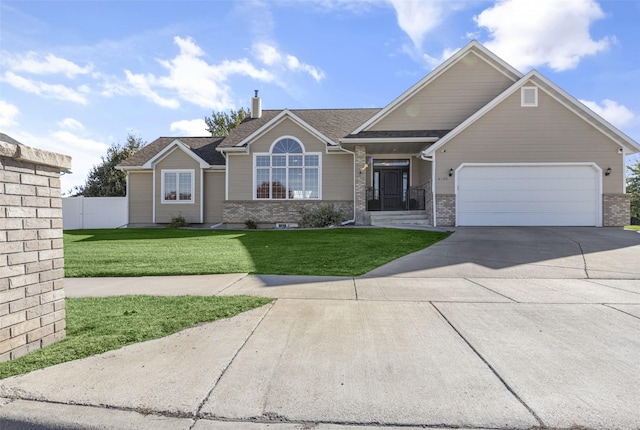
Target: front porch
392, 188
384, 198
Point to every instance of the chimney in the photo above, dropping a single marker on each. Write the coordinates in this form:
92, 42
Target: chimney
256, 106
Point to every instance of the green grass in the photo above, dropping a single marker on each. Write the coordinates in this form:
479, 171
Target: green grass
147, 252
97, 325
633, 227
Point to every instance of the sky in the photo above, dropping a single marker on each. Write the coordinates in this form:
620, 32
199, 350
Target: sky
79, 76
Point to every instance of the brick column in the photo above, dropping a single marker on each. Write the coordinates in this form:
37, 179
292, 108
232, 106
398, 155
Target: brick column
361, 186
616, 210
32, 311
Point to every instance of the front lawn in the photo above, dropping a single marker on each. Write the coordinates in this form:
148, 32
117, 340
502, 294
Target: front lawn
633, 227
147, 252
96, 325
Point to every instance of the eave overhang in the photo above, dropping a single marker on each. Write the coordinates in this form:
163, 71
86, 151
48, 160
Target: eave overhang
413, 145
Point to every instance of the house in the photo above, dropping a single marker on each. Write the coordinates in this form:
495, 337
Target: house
473, 143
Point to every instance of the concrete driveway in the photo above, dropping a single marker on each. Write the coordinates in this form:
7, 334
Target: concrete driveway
525, 252
402, 351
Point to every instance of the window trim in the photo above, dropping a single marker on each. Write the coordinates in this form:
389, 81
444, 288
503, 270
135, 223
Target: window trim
304, 153
163, 174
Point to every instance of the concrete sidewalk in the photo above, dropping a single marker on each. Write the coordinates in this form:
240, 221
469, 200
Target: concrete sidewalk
342, 353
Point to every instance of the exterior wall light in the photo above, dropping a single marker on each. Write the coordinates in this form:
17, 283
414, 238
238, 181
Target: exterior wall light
450, 172
607, 172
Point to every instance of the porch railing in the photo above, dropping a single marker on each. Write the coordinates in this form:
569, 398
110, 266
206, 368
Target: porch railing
410, 199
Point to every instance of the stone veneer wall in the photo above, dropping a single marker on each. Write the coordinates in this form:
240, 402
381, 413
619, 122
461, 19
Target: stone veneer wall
274, 211
616, 210
32, 309
446, 210
360, 159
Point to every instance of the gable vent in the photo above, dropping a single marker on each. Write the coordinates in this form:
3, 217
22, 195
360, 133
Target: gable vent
529, 96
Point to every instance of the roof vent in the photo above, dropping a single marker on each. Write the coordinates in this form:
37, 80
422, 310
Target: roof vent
529, 96
256, 106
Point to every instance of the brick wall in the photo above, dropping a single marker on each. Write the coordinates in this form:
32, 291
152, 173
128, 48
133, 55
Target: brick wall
32, 311
446, 210
273, 211
616, 210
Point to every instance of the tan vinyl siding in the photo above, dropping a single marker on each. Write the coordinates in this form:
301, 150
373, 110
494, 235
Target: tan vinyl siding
177, 159
337, 176
449, 99
337, 168
140, 197
422, 173
213, 196
549, 133
240, 176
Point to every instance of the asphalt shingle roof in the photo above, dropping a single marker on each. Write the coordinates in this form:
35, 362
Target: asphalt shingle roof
203, 147
333, 123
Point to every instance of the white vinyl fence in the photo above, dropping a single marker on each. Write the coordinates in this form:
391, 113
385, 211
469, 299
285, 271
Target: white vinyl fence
93, 212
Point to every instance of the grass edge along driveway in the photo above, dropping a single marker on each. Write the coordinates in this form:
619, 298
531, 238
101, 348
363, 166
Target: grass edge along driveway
100, 324
158, 252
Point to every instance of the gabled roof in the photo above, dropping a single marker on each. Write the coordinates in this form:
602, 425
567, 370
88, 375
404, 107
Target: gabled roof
204, 148
329, 125
472, 46
558, 94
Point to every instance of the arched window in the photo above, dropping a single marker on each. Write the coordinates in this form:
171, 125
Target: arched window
287, 172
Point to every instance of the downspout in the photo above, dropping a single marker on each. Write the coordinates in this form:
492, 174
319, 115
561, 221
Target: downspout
433, 183
352, 221
226, 175
201, 195
153, 190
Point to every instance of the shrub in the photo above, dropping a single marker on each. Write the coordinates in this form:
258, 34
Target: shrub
321, 216
177, 222
251, 224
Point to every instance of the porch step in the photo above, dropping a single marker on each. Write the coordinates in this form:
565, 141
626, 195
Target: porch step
399, 218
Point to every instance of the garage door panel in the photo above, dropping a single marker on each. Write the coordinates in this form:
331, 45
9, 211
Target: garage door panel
525, 207
557, 195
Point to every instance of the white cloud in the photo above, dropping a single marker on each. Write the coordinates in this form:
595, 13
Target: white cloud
190, 127
193, 79
142, 85
295, 65
419, 17
266, 53
617, 114
33, 63
270, 55
436, 61
55, 91
8, 114
70, 124
529, 33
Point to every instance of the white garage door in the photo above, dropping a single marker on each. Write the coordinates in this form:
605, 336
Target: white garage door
528, 195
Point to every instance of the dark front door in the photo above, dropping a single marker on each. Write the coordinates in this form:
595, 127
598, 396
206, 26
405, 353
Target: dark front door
391, 189
390, 184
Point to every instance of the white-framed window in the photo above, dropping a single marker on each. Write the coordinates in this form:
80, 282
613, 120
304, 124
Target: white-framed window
287, 172
529, 96
178, 186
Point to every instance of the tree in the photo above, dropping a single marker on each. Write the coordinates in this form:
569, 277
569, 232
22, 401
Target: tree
221, 123
633, 188
105, 180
